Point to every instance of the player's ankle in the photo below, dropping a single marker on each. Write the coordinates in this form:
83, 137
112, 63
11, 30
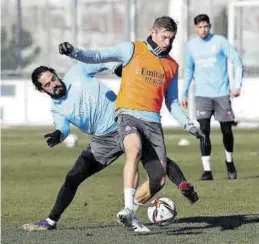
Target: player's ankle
51, 222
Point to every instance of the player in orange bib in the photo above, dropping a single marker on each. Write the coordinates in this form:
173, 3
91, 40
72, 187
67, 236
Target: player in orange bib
149, 75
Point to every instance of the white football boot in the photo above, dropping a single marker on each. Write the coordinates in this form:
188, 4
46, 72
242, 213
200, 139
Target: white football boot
125, 217
137, 226
128, 218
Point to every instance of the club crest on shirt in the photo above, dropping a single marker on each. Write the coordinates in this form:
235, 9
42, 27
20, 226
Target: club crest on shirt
213, 49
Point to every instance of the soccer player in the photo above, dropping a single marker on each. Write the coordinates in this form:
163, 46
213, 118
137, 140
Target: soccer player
149, 74
206, 62
87, 103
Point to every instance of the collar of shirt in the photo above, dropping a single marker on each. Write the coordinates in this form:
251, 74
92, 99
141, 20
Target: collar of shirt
155, 49
207, 38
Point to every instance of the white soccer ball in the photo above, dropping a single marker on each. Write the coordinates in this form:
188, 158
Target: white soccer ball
71, 141
162, 211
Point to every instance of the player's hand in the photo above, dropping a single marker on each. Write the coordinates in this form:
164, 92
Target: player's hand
199, 135
54, 138
235, 93
184, 103
65, 48
196, 132
118, 70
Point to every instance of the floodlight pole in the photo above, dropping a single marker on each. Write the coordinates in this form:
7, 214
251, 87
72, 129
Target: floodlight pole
74, 7
19, 37
130, 30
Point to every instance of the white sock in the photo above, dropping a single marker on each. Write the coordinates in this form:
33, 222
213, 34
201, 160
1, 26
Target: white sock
229, 156
51, 222
206, 163
129, 195
137, 205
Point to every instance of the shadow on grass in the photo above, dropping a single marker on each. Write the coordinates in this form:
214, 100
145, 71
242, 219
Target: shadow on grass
249, 177
229, 222
187, 226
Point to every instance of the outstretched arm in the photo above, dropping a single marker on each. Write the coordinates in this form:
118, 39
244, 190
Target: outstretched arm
92, 69
123, 52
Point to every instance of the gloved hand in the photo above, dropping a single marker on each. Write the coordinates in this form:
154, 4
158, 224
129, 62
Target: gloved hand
196, 132
54, 138
118, 70
65, 48
199, 135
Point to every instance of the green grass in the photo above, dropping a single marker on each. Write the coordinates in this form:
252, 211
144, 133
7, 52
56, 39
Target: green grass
227, 212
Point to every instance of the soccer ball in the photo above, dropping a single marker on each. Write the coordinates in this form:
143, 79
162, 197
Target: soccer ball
162, 211
71, 141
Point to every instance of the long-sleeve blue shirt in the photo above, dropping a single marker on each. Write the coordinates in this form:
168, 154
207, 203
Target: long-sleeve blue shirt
206, 64
89, 104
123, 53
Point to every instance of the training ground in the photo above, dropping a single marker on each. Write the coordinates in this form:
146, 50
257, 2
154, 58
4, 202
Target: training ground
32, 173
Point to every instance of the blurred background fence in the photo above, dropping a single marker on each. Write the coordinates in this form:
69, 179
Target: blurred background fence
31, 30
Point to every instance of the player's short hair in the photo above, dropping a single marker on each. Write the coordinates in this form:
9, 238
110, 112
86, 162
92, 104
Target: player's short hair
165, 22
36, 74
200, 18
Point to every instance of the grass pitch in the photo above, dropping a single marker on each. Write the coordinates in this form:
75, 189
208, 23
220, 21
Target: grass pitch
32, 173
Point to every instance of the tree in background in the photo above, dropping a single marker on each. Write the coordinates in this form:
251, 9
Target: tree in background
9, 49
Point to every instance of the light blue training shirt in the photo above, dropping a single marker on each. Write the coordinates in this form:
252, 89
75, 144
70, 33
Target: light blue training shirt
206, 64
123, 53
89, 104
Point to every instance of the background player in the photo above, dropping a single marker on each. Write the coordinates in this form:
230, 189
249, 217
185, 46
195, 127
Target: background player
206, 62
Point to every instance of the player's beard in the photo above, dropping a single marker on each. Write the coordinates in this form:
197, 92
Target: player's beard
59, 91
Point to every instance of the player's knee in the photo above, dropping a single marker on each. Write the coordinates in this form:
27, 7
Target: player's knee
226, 128
133, 153
132, 147
78, 173
71, 180
205, 126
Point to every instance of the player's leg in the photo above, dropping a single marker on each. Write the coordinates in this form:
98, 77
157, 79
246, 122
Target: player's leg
102, 151
204, 111
205, 149
130, 138
105, 149
154, 162
154, 166
174, 172
224, 114
155, 173
176, 175
136, 224
154, 183
84, 167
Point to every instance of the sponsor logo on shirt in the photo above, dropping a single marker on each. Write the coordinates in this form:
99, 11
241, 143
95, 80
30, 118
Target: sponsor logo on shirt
152, 76
207, 62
